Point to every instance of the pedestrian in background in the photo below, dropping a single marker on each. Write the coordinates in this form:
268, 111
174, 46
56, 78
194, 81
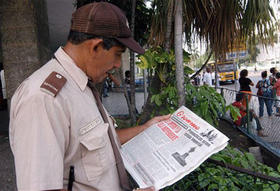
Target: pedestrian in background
207, 77
105, 87
127, 82
264, 94
245, 84
277, 88
272, 79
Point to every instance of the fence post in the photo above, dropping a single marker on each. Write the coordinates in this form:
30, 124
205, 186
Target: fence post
248, 113
222, 92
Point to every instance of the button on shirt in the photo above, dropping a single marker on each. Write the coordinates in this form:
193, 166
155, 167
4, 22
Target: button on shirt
49, 134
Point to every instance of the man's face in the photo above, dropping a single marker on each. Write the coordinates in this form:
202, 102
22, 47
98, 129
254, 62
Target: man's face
103, 61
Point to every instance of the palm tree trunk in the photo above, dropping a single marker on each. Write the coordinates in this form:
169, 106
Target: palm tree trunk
132, 66
178, 30
169, 25
216, 74
130, 108
25, 40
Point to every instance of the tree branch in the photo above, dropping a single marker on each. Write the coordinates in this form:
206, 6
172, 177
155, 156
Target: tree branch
205, 63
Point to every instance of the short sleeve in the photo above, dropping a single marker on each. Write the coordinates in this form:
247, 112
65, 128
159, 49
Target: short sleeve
249, 81
39, 136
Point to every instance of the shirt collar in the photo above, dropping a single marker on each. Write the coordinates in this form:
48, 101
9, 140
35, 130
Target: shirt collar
71, 68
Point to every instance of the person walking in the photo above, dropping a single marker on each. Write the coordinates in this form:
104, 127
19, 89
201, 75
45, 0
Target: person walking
264, 94
277, 88
207, 77
245, 84
272, 79
61, 136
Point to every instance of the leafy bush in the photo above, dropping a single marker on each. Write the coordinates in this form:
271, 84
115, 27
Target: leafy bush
203, 100
212, 177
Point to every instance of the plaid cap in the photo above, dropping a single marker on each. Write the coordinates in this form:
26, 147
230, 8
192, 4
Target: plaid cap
107, 20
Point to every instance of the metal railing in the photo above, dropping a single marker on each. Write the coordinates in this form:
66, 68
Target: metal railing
270, 124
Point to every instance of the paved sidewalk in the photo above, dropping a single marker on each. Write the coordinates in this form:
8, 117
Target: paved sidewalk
116, 103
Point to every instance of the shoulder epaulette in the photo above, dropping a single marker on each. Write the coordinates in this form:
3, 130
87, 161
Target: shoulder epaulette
53, 83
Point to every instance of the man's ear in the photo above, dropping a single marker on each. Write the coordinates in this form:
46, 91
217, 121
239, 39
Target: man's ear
95, 45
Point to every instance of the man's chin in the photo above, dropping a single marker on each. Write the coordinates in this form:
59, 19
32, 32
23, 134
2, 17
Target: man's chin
102, 78
99, 79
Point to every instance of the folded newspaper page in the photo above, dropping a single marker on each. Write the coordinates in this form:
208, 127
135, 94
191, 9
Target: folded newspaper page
169, 150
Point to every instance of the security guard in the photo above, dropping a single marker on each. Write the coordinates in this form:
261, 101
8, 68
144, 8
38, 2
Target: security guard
57, 121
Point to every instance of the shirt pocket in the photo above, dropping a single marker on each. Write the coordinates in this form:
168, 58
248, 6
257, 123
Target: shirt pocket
96, 158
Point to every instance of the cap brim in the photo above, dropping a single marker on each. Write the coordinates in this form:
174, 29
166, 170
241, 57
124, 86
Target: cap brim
131, 44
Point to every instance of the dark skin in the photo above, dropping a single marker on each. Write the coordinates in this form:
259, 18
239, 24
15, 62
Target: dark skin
97, 62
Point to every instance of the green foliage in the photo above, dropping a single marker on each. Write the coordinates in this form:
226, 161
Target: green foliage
203, 100
234, 111
212, 177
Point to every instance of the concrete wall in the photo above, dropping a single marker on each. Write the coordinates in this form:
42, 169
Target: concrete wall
59, 17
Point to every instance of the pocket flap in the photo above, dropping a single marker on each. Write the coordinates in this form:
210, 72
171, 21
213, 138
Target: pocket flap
95, 139
94, 143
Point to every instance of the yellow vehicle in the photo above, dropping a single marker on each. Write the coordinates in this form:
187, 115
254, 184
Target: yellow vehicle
227, 70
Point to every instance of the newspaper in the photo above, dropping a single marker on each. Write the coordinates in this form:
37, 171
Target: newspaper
169, 150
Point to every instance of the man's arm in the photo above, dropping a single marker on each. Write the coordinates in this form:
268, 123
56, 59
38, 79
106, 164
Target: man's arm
128, 133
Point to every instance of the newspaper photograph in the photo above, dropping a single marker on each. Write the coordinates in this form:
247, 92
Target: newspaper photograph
169, 150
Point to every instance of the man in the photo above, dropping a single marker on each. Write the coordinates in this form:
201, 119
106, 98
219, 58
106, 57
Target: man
57, 121
272, 77
207, 78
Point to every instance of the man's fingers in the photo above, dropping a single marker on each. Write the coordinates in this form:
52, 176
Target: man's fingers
156, 120
163, 117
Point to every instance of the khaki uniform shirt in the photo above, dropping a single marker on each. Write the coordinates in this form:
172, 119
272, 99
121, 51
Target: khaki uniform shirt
49, 134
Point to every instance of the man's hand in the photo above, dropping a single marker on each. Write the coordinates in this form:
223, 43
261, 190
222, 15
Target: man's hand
128, 133
155, 120
144, 189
